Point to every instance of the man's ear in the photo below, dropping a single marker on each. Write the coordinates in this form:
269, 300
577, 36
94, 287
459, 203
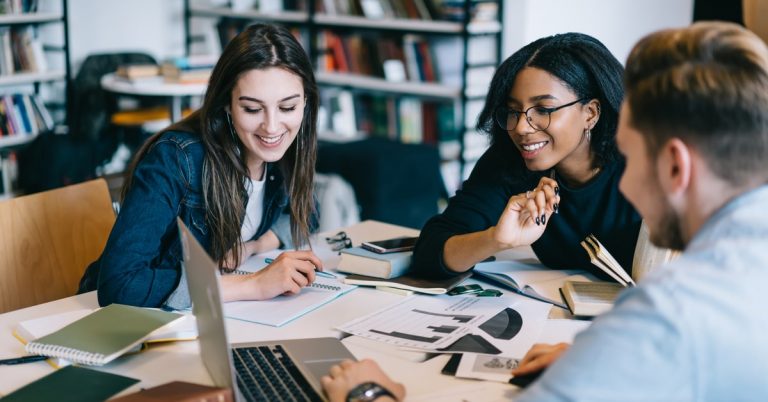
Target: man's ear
674, 167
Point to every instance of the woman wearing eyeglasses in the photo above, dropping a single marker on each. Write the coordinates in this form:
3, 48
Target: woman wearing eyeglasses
551, 174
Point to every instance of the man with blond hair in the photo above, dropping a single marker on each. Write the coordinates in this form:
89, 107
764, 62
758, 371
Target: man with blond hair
694, 131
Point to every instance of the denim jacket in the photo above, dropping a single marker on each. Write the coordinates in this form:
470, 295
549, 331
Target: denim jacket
141, 262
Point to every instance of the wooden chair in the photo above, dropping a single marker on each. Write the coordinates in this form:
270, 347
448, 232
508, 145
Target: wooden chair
48, 239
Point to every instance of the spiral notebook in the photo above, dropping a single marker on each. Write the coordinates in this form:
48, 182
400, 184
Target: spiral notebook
283, 309
103, 335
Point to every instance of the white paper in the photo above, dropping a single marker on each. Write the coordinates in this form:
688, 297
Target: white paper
486, 367
432, 323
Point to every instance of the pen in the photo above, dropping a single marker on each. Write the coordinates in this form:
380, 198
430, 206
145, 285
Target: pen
321, 273
23, 359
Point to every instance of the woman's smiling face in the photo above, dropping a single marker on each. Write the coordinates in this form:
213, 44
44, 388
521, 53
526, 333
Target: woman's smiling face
267, 109
564, 137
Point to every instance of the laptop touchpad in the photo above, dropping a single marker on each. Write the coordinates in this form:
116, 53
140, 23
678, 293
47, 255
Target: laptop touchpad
319, 368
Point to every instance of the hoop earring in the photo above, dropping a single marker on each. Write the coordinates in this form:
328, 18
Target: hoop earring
588, 134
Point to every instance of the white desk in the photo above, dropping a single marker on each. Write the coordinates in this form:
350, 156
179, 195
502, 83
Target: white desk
154, 87
181, 361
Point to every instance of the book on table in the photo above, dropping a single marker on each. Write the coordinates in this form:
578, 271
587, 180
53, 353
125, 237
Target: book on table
103, 335
29, 330
357, 260
179, 391
591, 298
529, 279
72, 384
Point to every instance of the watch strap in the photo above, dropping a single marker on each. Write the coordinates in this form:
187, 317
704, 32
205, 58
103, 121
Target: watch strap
368, 391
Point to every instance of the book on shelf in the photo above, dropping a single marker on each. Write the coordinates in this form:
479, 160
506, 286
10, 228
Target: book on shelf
591, 298
22, 50
23, 115
18, 7
179, 391
102, 335
409, 283
76, 383
357, 260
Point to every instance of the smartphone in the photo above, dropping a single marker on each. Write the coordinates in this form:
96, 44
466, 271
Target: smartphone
391, 245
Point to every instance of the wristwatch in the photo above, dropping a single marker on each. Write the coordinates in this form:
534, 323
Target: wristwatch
368, 391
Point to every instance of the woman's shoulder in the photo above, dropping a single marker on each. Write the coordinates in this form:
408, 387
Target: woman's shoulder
184, 142
182, 139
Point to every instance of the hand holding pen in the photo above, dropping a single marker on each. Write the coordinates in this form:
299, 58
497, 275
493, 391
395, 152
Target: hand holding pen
287, 274
324, 274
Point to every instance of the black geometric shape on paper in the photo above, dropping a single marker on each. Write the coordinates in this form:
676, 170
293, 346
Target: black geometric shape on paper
504, 325
472, 344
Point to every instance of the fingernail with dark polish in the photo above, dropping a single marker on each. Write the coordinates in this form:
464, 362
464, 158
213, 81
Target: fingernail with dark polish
557, 208
543, 219
537, 220
557, 190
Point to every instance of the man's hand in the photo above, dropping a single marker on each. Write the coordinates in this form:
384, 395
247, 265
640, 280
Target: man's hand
540, 357
348, 374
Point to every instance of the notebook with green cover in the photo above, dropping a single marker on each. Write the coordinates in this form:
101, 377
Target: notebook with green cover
103, 335
72, 384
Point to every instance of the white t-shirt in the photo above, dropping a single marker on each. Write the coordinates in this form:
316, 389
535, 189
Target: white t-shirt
254, 210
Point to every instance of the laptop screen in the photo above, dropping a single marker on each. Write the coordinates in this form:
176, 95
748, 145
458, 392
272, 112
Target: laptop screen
203, 280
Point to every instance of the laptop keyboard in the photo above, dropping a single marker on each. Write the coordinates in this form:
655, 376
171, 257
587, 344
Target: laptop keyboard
266, 373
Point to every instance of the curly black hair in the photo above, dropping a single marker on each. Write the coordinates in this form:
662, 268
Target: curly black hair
584, 65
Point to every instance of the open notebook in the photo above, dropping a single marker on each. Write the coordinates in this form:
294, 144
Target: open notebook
530, 279
103, 335
283, 309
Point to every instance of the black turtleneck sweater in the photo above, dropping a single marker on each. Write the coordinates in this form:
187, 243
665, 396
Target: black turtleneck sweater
596, 208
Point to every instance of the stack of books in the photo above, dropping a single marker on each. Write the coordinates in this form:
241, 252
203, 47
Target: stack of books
189, 70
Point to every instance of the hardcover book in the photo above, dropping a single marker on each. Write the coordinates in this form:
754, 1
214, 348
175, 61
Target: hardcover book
594, 298
357, 260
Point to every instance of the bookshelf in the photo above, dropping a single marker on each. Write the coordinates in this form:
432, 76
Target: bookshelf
28, 69
433, 56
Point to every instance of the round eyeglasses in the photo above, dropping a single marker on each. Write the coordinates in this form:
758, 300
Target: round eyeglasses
538, 117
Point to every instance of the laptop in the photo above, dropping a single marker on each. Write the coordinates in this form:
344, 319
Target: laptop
262, 371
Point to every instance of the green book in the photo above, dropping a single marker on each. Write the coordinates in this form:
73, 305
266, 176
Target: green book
103, 335
72, 384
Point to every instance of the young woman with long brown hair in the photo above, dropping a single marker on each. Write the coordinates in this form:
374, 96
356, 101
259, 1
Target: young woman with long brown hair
239, 174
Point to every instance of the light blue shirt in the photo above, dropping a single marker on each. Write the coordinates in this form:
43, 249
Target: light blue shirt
695, 329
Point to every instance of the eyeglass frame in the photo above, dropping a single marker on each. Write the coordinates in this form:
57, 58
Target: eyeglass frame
339, 241
549, 111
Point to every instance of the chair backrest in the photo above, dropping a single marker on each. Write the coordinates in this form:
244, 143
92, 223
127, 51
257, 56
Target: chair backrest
91, 106
47, 240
